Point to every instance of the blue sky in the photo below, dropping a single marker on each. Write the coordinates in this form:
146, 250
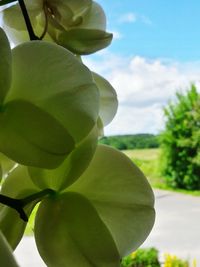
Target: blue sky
155, 28
155, 52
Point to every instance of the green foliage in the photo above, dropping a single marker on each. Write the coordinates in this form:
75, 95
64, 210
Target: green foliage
174, 261
180, 160
149, 257
142, 258
137, 141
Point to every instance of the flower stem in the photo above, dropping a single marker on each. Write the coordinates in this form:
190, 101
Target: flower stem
27, 21
19, 204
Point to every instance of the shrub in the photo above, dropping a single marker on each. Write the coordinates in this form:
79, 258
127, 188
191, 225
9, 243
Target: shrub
142, 258
180, 141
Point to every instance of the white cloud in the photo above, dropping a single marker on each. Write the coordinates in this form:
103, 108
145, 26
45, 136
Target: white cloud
144, 87
133, 17
128, 17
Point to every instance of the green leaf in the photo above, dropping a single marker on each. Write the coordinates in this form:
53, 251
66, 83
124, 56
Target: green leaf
16, 185
64, 88
70, 169
6, 256
122, 196
108, 99
31, 136
79, 237
5, 66
84, 41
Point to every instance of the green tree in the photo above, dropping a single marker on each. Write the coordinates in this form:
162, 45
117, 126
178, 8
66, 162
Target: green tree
180, 141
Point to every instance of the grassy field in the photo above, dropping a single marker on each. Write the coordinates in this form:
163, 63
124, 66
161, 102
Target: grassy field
148, 161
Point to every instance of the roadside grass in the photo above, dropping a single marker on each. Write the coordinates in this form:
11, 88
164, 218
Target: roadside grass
148, 161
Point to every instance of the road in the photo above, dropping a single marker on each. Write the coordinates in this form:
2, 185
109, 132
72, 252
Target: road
176, 230
177, 226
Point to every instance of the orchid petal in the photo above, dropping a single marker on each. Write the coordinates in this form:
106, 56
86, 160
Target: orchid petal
69, 171
122, 196
5, 66
6, 256
85, 240
108, 99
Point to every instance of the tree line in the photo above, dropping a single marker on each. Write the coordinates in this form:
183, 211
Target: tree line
135, 141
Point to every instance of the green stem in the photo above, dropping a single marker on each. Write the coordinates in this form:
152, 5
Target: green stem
15, 204
19, 204
37, 196
27, 21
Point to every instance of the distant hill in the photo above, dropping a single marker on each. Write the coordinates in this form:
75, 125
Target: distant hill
136, 141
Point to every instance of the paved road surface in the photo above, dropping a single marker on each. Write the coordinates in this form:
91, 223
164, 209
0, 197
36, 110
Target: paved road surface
177, 230
177, 226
